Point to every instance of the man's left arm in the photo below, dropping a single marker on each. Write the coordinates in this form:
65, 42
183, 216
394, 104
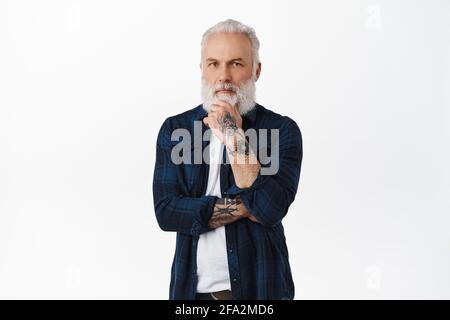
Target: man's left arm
267, 197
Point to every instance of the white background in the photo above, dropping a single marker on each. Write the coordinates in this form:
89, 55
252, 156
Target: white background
85, 86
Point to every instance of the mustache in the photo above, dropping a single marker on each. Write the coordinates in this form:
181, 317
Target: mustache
243, 96
225, 86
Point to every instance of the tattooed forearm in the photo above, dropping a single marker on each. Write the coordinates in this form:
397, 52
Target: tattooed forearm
244, 162
226, 205
239, 147
235, 138
227, 123
226, 210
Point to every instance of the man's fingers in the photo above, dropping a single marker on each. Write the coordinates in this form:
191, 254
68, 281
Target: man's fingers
225, 106
209, 121
217, 108
213, 114
222, 103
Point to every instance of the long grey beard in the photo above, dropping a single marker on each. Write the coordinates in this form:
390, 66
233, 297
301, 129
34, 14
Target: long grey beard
243, 99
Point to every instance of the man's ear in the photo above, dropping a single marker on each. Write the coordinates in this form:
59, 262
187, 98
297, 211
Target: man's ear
258, 71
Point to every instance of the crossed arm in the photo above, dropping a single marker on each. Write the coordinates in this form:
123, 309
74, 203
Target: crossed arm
228, 210
244, 164
265, 199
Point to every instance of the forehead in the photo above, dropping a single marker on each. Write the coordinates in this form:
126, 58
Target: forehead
224, 46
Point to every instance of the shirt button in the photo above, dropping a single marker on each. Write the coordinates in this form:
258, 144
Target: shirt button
231, 250
234, 279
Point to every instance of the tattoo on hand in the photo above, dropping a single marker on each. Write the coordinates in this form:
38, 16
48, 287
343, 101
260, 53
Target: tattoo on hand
227, 123
225, 211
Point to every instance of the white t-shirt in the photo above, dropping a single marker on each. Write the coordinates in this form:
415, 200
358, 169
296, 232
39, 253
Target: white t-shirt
212, 260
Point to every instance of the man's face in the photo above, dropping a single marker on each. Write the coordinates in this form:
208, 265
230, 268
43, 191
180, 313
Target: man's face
227, 70
227, 57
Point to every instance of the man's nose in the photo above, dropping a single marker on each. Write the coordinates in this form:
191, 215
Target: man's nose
224, 75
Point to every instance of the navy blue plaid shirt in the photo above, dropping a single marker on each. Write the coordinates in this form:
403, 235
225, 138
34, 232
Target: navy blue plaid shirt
258, 258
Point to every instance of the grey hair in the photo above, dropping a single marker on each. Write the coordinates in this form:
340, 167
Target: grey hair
233, 26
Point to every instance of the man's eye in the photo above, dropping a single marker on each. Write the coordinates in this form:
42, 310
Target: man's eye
237, 64
212, 63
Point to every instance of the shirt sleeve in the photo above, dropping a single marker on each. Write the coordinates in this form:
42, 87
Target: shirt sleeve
175, 211
270, 196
